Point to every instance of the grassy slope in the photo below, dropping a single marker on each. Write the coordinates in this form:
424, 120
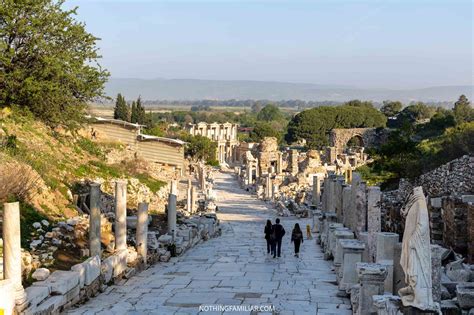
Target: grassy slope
61, 160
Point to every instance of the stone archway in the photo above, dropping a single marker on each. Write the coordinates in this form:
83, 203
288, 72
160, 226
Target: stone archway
368, 137
355, 141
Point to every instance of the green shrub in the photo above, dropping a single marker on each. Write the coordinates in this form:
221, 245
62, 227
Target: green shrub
154, 184
90, 147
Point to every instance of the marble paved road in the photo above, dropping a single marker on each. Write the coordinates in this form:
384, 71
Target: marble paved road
231, 270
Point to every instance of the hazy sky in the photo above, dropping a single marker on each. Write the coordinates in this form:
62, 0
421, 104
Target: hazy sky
389, 43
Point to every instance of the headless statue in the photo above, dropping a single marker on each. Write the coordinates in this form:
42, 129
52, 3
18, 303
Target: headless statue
416, 254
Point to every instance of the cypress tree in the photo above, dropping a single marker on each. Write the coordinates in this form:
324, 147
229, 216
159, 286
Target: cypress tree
134, 113
121, 109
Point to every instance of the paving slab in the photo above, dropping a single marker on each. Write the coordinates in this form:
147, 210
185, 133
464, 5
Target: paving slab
233, 269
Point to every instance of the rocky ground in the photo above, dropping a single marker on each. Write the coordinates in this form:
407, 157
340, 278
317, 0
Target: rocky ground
233, 269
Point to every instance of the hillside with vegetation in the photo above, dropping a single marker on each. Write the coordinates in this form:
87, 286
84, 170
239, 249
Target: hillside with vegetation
49, 72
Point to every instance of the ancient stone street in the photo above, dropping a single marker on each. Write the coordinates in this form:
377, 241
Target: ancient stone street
233, 269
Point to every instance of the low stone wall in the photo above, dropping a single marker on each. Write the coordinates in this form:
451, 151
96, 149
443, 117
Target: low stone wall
62, 289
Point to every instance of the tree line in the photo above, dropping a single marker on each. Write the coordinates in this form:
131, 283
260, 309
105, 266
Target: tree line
134, 112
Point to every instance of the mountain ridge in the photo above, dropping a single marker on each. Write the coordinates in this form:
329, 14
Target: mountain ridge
196, 89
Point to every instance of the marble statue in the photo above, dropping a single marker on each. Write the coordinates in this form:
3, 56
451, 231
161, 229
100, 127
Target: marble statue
416, 254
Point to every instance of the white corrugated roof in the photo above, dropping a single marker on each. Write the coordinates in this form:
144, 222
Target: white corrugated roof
162, 139
116, 121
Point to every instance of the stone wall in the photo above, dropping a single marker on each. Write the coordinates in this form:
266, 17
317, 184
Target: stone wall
451, 220
453, 178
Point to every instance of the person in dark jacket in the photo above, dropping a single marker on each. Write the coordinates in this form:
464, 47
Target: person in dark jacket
278, 233
268, 236
297, 238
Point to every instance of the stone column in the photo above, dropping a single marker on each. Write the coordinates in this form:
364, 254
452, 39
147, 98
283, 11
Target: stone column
203, 178
257, 169
274, 192
346, 205
188, 196
348, 175
355, 186
316, 190
193, 199
338, 184
250, 173
373, 219
351, 255
172, 208
142, 230
94, 220
268, 189
359, 195
293, 162
371, 278
12, 249
279, 168
120, 214
330, 193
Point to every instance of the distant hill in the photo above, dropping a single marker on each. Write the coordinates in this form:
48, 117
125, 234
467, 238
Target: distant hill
190, 89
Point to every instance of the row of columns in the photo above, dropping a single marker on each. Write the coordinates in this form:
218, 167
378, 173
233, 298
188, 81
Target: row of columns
120, 221
366, 260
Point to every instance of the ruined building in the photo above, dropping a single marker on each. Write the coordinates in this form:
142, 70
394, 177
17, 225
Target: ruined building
224, 134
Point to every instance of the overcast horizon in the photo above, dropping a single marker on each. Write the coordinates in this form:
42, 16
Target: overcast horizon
362, 44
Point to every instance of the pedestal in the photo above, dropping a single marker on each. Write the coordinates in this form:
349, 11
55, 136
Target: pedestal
371, 279
351, 255
340, 235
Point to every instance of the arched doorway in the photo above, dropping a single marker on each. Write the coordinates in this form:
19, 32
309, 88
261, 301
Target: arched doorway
355, 142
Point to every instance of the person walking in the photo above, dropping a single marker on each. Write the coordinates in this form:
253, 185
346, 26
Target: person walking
297, 238
278, 233
269, 236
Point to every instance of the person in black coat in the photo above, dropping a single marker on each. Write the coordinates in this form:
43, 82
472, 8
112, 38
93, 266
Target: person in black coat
297, 238
268, 236
278, 233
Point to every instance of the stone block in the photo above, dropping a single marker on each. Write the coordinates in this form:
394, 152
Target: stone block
165, 239
132, 256
467, 198
107, 268
81, 270
388, 284
465, 295
92, 269
51, 305
89, 270
60, 282
120, 262
41, 274
436, 202
386, 243
340, 235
